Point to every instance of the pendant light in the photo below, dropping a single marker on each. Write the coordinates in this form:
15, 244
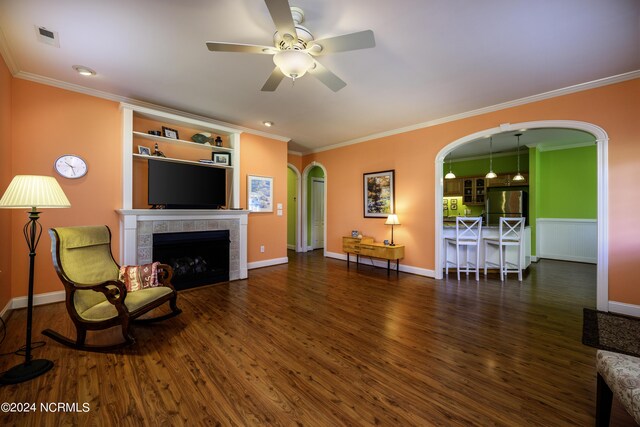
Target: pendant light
491, 173
450, 175
518, 176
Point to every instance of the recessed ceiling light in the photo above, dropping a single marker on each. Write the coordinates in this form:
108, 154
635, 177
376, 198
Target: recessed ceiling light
267, 124
85, 71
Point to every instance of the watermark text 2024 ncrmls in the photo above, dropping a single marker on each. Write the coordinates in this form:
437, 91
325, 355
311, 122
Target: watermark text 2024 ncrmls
64, 407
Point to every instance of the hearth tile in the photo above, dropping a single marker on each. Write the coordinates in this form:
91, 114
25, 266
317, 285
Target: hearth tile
160, 226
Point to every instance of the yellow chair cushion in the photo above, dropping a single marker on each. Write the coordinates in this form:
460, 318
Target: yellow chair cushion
133, 301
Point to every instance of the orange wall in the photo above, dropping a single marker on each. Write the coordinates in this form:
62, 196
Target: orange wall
412, 155
5, 179
46, 123
295, 160
265, 157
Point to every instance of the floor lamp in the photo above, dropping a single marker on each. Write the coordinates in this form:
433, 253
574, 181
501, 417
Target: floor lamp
30, 191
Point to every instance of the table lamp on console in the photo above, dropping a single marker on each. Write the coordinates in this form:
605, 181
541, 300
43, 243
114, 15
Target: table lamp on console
392, 220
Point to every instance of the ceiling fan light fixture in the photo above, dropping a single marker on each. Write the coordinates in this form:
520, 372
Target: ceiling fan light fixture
293, 63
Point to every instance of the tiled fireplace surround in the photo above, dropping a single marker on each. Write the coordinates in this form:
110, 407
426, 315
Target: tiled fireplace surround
139, 225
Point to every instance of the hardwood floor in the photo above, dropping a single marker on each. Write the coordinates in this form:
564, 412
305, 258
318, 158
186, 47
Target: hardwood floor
312, 343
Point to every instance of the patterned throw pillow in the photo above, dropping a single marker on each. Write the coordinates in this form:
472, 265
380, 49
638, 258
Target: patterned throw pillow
137, 277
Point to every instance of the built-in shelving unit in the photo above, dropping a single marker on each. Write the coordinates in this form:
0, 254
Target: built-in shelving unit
181, 142
132, 132
190, 162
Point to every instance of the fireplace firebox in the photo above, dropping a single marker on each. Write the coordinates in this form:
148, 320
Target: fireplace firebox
197, 258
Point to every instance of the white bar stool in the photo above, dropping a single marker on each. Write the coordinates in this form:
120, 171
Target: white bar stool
468, 231
510, 233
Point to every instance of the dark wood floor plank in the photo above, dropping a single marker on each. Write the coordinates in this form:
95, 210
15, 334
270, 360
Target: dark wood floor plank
312, 343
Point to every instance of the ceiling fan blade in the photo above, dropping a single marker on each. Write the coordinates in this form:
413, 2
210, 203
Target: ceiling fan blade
354, 41
332, 81
281, 14
273, 81
238, 47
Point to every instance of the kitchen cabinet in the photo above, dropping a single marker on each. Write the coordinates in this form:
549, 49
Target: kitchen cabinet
452, 187
473, 190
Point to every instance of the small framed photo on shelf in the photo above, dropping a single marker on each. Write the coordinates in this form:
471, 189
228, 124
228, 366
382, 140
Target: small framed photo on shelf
169, 133
221, 158
145, 151
260, 193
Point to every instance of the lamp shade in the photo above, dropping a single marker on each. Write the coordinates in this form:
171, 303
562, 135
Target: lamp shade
450, 175
392, 220
491, 175
31, 191
518, 177
293, 63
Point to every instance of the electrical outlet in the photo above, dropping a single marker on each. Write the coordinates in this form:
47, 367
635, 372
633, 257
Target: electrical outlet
262, 248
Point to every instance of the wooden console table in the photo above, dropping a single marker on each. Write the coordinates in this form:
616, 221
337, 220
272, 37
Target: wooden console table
367, 247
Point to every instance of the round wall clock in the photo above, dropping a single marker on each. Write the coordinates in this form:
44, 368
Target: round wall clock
70, 166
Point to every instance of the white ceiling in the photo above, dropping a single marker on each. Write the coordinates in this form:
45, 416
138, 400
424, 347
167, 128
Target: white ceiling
432, 59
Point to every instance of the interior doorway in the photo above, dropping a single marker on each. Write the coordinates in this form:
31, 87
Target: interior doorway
294, 212
601, 139
314, 172
317, 213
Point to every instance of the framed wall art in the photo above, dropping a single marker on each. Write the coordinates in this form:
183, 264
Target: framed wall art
379, 194
259, 193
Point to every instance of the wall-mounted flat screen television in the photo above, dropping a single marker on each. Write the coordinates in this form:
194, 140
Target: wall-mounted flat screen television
184, 186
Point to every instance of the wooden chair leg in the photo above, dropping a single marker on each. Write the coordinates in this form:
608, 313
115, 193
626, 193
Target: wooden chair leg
604, 398
81, 336
128, 338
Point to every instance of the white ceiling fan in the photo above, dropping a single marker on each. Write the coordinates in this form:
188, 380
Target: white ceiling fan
295, 50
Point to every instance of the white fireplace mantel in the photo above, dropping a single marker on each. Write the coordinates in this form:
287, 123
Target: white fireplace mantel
138, 226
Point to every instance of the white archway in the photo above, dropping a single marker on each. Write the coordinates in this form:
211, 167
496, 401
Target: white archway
602, 141
298, 211
305, 179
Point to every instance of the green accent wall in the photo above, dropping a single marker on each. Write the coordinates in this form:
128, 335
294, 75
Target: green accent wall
315, 172
292, 210
480, 167
568, 183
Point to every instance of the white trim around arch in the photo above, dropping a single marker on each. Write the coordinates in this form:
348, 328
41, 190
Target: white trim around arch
298, 205
305, 178
602, 140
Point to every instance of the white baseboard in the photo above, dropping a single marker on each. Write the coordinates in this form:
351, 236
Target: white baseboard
267, 263
587, 260
291, 247
624, 308
534, 258
6, 310
383, 264
309, 248
39, 299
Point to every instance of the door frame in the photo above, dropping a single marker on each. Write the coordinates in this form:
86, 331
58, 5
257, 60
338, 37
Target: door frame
313, 198
305, 179
298, 247
602, 142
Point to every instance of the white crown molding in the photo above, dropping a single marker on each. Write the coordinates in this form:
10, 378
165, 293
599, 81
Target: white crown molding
122, 99
295, 153
6, 55
543, 148
509, 104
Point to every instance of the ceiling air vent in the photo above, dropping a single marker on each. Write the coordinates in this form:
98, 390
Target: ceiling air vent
47, 36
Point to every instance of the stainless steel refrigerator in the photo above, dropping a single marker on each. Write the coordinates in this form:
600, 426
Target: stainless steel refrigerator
509, 203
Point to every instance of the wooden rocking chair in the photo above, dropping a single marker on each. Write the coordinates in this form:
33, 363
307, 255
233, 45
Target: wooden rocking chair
95, 298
